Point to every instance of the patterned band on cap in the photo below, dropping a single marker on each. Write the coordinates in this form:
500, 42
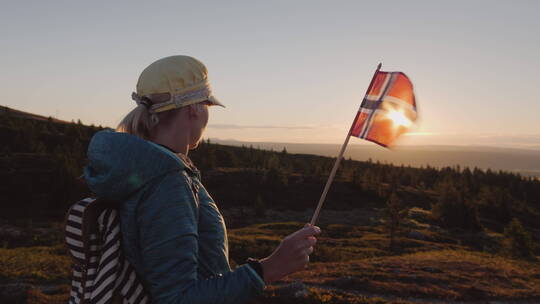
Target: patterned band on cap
182, 100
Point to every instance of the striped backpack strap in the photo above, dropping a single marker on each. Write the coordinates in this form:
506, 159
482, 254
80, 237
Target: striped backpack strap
81, 236
115, 275
100, 271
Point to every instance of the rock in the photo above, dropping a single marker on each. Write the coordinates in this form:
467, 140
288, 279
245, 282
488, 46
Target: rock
431, 270
417, 235
346, 282
414, 224
474, 293
14, 293
51, 289
10, 232
419, 214
294, 290
481, 235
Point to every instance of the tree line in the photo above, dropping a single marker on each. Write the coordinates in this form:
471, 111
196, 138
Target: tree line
41, 162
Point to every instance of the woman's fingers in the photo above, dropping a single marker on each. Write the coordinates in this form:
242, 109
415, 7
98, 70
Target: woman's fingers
306, 232
306, 243
293, 253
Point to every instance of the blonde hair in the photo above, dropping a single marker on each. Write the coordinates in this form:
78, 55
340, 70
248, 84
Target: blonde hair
141, 120
138, 122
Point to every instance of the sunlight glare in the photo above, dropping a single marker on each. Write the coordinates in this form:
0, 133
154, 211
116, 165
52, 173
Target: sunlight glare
398, 118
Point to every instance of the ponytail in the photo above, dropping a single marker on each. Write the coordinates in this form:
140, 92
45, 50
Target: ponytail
138, 122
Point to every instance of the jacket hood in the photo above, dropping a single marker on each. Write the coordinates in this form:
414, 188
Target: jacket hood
121, 163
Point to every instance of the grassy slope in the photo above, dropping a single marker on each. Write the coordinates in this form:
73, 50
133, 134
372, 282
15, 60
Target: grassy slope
359, 262
35, 265
351, 264
445, 274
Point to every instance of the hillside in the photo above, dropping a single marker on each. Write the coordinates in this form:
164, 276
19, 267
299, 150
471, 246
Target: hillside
37, 150
391, 234
5, 111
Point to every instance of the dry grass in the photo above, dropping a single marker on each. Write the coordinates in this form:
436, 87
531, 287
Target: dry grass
35, 296
34, 264
314, 295
356, 259
446, 274
337, 243
351, 264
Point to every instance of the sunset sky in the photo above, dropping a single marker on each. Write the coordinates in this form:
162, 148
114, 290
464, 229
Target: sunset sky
288, 71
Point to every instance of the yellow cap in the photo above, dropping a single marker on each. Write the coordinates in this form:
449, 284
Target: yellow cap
184, 78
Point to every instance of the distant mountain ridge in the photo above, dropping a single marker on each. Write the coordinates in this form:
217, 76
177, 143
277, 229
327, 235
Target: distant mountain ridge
523, 161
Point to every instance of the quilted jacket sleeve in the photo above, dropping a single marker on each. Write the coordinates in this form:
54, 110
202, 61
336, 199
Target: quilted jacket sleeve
167, 222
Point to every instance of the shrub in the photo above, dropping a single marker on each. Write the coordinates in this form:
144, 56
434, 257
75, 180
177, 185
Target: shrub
517, 242
260, 208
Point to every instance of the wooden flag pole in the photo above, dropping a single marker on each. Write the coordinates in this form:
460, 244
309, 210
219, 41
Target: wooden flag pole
338, 160
330, 180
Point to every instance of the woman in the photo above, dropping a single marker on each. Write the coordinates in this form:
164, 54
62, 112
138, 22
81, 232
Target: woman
172, 231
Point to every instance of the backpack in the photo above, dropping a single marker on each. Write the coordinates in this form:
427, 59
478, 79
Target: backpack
100, 272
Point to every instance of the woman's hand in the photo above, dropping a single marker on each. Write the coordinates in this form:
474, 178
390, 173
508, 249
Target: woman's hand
291, 255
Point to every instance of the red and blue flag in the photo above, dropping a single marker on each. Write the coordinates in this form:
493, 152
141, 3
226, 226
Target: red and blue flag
388, 109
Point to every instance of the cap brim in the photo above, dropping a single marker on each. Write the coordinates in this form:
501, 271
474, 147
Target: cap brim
215, 102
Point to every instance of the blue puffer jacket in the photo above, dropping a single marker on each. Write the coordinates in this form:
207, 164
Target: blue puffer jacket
177, 244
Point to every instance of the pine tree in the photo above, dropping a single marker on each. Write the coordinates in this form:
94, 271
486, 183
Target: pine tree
396, 211
518, 242
260, 208
452, 210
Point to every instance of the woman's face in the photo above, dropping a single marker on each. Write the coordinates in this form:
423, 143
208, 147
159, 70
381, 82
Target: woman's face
200, 120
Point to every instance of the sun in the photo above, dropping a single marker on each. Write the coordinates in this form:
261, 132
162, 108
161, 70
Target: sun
398, 118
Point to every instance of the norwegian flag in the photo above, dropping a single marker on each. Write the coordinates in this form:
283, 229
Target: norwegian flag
388, 109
